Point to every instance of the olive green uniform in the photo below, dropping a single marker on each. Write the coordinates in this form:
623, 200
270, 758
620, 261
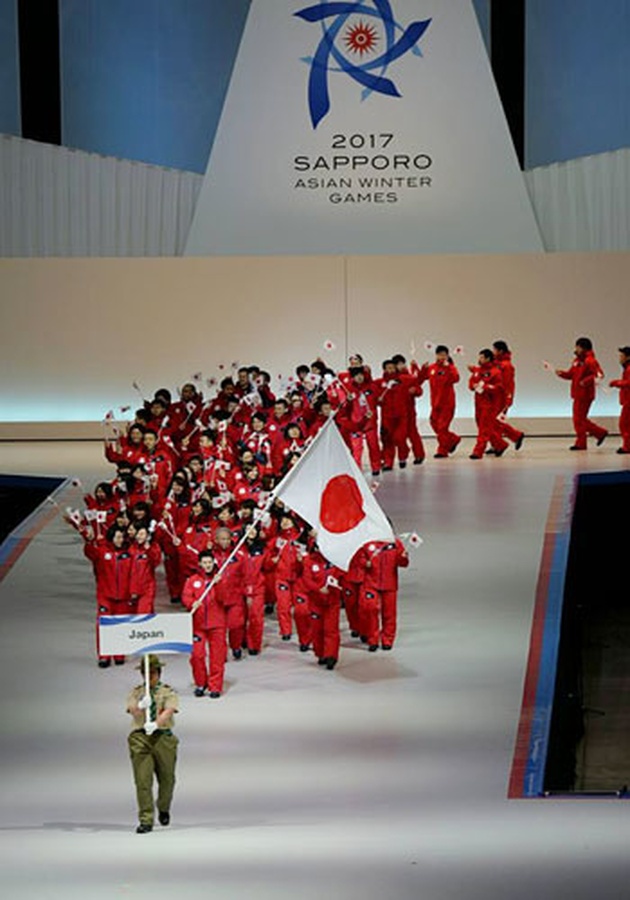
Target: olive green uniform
153, 754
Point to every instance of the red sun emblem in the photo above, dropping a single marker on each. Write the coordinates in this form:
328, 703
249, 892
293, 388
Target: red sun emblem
341, 506
361, 38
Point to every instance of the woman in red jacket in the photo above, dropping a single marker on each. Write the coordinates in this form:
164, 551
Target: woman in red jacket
442, 376
112, 567
322, 580
145, 558
283, 559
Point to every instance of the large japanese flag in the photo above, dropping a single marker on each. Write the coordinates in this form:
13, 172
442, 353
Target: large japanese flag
328, 490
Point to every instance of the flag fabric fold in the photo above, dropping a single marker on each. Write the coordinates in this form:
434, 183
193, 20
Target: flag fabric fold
328, 490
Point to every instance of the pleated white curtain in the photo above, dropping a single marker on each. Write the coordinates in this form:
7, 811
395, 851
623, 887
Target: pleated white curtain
583, 204
60, 202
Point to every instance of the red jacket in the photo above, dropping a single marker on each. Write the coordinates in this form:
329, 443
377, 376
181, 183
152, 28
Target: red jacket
441, 377
583, 376
380, 563
112, 569
231, 586
394, 395
489, 377
284, 549
144, 561
624, 384
319, 574
211, 613
508, 376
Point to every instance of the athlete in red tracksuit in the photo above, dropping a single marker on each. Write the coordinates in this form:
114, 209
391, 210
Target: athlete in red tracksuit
207, 660
284, 560
254, 583
583, 375
322, 580
145, 558
503, 358
414, 390
442, 376
623, 384
231, 588
393, 398
486, 381
380, 562
112, 567
358, 418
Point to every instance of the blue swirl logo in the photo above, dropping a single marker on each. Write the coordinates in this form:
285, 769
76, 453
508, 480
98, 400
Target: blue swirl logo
361, 39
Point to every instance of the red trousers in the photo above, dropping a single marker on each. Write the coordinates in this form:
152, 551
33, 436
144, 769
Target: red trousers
255, 619
284, 605
624, 427
236, 621
417, 447
174, 581
374, 451
144, 604
325, 624
583, 426
207, 659
302, 616
489, 431
378, 616
394, 439
440, 421
351, 605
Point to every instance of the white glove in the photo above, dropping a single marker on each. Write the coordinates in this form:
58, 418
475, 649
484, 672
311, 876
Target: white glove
144, 702
150, 727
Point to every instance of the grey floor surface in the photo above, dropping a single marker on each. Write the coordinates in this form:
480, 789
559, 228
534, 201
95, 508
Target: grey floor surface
384, 778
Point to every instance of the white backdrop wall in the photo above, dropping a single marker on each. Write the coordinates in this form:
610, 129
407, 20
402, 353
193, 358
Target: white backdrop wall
76, 333
60, 202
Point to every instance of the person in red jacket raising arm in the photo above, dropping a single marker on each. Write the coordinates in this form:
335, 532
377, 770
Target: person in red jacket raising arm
623, 384
583, 374
207, 660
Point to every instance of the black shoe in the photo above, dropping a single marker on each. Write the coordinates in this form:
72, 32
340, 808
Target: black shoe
455, 445
331, 662
402, 465
387, 468
199, 691
268, 609
373, 648
354, 634
253, 652
499, 453
119, 662
238, 653
601, 440
286, 637
104, 663
519, 441
175, 600
164, 818
575, 447
214, 695
304, 648
364, 639
376, 473
418, 460
490, 452
440, 455
386, 646
143, 828
621, 450
322, 661
475, 456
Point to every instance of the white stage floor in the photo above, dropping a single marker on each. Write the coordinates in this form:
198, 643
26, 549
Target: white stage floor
384, 778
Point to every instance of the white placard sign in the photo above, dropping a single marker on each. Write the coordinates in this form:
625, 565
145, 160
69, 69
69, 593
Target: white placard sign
362, 127
158, 633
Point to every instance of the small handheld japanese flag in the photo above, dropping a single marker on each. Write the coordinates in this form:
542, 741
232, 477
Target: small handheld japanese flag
328, 490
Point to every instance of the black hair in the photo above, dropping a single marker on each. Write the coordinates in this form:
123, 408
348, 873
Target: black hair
585, 343
398, 358
114, 529
261, 416
441, 348
164, 394
486, 353
226, 382
107, 489
356, 370
303, 369
205, 554
501, 346
388, 362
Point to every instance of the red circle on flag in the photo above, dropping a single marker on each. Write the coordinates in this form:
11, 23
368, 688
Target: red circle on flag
341, 507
